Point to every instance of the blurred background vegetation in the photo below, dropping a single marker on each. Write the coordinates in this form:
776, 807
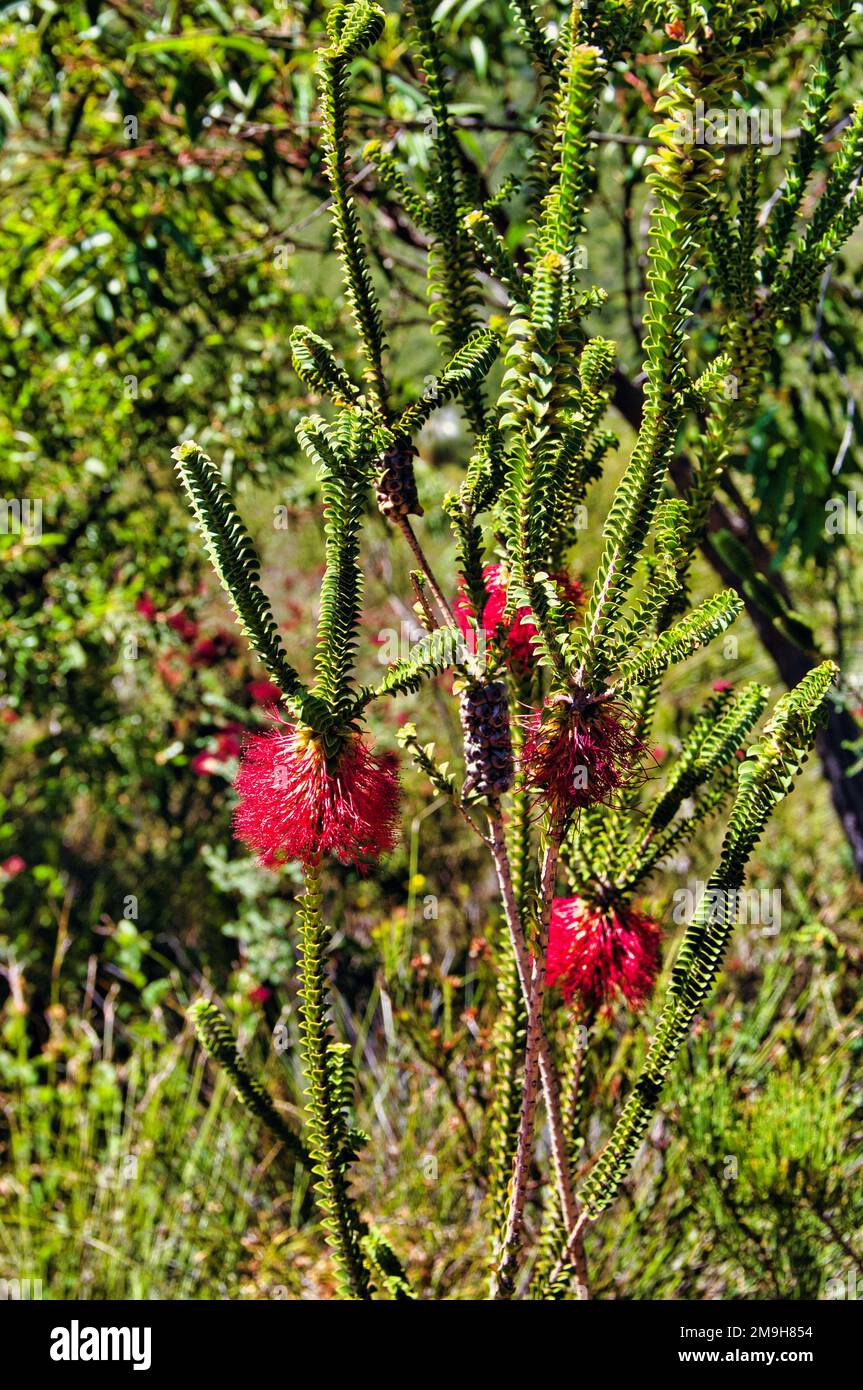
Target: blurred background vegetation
162, 227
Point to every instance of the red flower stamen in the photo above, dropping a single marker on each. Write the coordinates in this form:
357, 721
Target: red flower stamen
595, 953
298, 803
580, 754
264, 692
518, 634
184, 626
229, 742
211, 650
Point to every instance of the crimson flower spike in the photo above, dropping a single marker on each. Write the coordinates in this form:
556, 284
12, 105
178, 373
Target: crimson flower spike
596, 953
517, 634
299, 802
580, 750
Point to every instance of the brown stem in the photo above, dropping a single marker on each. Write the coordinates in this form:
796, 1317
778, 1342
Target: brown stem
548, 1071
417, 586
420, 556
507, 1265
569, 1254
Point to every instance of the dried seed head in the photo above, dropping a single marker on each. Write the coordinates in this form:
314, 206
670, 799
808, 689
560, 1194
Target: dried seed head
580, 752
487, 739
396, 486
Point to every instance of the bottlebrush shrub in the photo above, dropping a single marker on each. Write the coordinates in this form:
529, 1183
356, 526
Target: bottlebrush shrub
557, 705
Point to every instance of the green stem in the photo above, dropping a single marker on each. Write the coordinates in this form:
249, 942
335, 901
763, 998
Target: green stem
509, 1034
505, 1100
326, 1126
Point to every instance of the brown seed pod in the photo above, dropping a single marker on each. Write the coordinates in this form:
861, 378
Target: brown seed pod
487, 739
396, 486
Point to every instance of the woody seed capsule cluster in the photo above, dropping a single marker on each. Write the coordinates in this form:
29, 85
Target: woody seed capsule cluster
396, 486
487, 739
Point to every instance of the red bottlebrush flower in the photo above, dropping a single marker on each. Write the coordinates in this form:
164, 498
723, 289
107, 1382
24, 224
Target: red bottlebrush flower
146, 607
211, 650
264, 692
595, 953
296, 803
205, 763
169, 673
579, 753
12, 866
260, 994
8, 716
721, 686
204, 653
522, 629
185, 628
228, 744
